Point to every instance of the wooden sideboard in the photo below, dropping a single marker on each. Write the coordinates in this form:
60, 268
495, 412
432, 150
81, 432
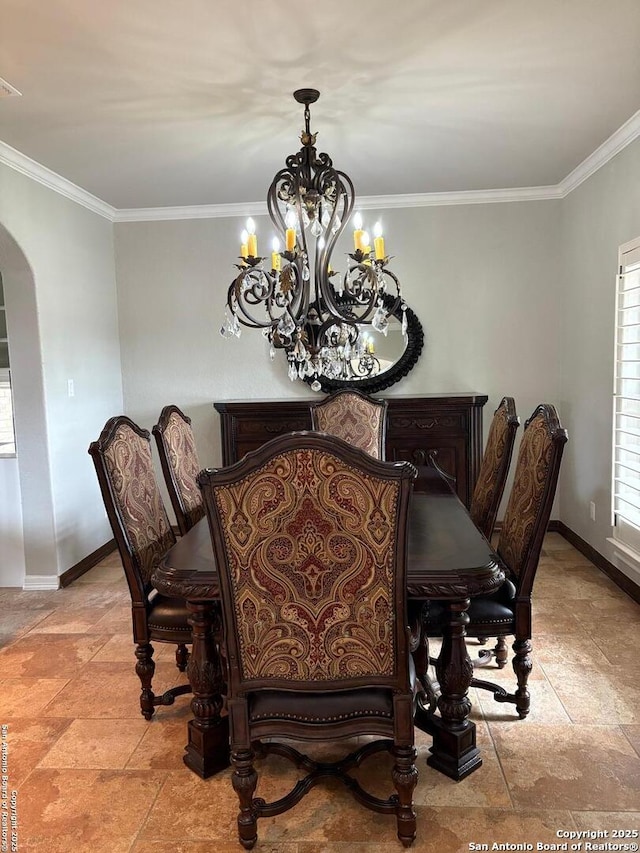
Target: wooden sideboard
449, 424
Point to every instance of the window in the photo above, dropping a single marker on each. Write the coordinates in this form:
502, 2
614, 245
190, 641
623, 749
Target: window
626, 400
7, 433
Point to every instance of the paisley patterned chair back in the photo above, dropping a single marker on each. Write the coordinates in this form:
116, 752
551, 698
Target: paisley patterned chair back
180, 466
534, 487
309, 536
143, 534
495, 467
354, 417
122, 456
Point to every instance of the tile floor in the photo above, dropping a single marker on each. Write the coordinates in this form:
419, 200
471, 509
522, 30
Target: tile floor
92, 775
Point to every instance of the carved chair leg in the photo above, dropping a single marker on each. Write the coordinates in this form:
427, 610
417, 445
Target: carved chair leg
182, 657
522, 666
405, 778
501, 652
244, 779
145, 668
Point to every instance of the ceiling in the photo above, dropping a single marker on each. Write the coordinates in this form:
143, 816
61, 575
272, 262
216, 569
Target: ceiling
151, 103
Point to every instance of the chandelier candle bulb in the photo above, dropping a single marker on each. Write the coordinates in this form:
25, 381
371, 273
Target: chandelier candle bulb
378, 241
244, 244
366, 247
275, 255
290, 234
358, 233
252, 242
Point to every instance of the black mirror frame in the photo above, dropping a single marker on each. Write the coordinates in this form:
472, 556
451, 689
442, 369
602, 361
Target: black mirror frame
415, 343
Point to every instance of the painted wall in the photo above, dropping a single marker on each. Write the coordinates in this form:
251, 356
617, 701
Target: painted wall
483, 279
12, 567
57, 260
597, 217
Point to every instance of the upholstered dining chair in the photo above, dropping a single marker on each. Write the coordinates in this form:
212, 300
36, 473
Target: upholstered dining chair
507, 612
309, 536
143, 534
494, 468
354, 417
180, 466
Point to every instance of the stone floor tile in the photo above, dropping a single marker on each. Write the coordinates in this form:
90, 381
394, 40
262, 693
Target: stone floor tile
84, 811
111, 690
610, 823
95, 745
162, 745
42, 655
633, 734
27, 697
28, 740
189, 808
92, 595
592, 696
116, 620
106, 572
592, 768
65, 621
16, 623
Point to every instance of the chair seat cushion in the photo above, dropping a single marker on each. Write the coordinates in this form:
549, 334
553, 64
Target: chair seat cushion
168, 616
486, 613
320, 707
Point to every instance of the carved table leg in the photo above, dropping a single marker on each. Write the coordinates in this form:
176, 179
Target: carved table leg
207, 751
454, 751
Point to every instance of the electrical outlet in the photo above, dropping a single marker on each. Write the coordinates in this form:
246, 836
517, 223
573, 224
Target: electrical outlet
592, 510
70, 389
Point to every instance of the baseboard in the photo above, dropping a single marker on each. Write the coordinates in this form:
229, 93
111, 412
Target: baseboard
87, 563
619, 578
33, 583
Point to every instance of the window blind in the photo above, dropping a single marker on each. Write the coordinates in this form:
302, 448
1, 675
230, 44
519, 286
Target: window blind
626, 432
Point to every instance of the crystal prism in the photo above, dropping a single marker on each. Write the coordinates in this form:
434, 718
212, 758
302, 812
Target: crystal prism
380, 322
286, 326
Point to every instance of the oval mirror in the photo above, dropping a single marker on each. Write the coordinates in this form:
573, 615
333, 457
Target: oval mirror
387, 358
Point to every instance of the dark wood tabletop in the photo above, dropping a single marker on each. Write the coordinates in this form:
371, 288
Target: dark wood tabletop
447, 556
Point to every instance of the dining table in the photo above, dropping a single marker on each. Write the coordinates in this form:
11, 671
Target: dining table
448, 559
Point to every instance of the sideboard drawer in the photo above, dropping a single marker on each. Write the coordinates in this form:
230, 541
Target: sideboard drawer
269, 427
414, 424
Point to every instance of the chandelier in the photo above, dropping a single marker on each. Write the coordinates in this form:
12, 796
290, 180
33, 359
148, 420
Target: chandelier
319, 317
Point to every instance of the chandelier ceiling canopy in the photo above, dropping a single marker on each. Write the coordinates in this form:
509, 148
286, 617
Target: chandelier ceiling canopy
318, 316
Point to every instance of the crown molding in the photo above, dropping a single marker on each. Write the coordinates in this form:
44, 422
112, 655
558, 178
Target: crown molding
618, 140
37, 172
387, 202
202, 211
377, 202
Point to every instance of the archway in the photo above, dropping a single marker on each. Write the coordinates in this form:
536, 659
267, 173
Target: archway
31, 482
